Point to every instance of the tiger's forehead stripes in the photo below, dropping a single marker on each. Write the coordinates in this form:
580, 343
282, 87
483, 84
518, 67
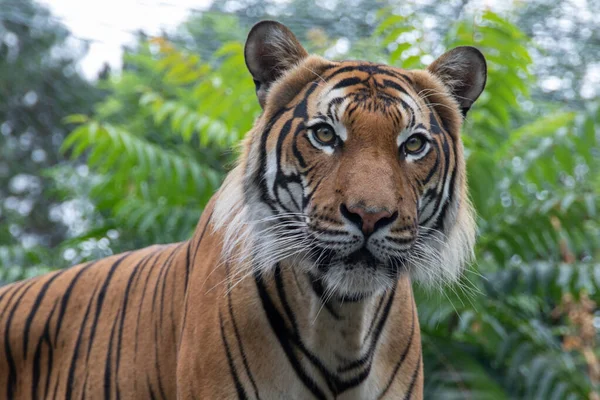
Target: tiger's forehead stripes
386, 84
370, 88
344, 97
377, 81
344, 92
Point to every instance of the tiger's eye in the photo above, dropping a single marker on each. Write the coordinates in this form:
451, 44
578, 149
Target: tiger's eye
414, 144
325, 135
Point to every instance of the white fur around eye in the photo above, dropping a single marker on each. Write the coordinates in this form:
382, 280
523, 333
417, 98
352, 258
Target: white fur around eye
326, 149
420, 154
311, 136
340, 131
403, 136
406, 134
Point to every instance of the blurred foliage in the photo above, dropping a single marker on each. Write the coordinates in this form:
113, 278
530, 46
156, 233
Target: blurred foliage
39, 85
160, 142
567, 49
524, 321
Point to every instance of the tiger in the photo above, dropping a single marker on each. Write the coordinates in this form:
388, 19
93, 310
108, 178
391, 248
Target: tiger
297, 282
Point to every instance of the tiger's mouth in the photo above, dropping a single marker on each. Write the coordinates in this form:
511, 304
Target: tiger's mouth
362, 258
358, 275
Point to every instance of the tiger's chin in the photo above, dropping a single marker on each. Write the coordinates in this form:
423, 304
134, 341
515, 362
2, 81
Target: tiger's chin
358, 275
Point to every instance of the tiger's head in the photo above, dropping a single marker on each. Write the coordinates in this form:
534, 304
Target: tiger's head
354, 173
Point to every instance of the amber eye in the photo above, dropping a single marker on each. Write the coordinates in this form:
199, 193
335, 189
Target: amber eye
324, 134
414, 144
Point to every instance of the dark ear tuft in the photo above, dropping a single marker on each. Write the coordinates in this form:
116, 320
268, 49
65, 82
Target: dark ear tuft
463, 70
271, 49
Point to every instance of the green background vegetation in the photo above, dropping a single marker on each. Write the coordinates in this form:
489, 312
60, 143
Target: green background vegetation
92, 169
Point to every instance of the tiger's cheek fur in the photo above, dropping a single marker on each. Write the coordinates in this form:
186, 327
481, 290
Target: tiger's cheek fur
318, 171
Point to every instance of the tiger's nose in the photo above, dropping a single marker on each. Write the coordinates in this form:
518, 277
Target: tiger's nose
367, 221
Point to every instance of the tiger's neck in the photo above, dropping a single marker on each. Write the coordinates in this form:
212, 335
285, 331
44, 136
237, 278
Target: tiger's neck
341, 332
345, 346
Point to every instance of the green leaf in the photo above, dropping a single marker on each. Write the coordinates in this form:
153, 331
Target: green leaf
75, 119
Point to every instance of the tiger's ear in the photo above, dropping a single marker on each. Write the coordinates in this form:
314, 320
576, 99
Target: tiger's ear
271, 49
464, 71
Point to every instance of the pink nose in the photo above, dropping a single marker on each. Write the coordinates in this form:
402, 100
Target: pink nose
367, 221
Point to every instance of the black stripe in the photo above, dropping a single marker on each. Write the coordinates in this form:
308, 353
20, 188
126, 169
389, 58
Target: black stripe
368, 357
399, 240
372, 324
167, 269
139, 315
317, 286
351, 109
138, 279
200, 239
334, 383
239, 338
280, 178
434, 126
289, 339
439, 224
295, 151
65, 299
108, 362
413, 380
306, 199
34, 309
284, 301
188, 265
141, 305
100, 302
14, 289
364, 67
6, 289
37, 358
175, 314
71, 375
259, 180
433, 169
84, 391
396, 86
160, 280
152, 395
159, 322
408, 107
440, 221
278, 326
161, 389
236, 380
372, 69
442, 120
133, 275
397, 74
347, 82
334, 103
12, 368
402, 357
446, 151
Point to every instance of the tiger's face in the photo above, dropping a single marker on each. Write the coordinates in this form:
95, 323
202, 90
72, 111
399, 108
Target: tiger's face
354, 172
368, 156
